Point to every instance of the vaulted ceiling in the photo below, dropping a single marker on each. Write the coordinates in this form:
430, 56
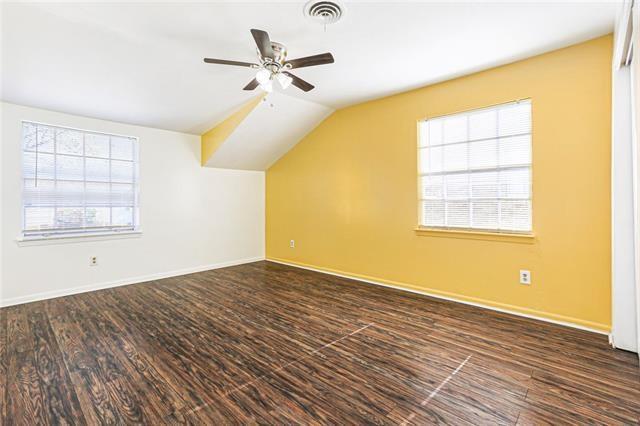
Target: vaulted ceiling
141, 63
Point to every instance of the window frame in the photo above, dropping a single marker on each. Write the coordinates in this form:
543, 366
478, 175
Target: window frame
70, 234
473, 232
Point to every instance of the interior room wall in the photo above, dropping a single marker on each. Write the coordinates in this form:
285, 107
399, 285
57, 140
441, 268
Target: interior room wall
624, 330
635, 110
347, 193
192, 218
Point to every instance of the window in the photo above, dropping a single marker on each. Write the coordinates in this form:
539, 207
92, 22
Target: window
475, 169
77, 182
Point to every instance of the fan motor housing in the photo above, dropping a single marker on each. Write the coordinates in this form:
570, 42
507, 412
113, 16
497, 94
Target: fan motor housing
279, 56
279, 52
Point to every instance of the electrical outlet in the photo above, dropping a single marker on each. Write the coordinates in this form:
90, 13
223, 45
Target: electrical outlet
525, 277
292, 244
93, 260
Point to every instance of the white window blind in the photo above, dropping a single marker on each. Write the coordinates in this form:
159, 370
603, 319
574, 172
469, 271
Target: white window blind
77, 182
475, 169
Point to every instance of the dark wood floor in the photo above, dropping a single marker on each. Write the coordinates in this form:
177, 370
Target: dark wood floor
266, 343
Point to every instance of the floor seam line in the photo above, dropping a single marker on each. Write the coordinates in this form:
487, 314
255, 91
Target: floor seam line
437, 390
282, 367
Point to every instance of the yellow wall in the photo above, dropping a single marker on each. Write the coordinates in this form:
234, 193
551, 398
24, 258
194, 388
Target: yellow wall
347, 193
211, 140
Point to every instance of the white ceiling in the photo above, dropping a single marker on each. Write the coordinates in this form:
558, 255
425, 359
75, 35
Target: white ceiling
271, 129
142, 63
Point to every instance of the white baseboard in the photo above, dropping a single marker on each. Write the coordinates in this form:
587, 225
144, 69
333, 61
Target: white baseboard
168, 274
438, 296
134, 280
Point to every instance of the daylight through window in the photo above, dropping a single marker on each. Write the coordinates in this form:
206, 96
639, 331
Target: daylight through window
475, 169
78, 182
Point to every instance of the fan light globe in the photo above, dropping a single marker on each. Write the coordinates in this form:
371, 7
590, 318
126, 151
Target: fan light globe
263, 76
284, 80
267, 86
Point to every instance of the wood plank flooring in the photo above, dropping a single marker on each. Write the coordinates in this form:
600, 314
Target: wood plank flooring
270, 344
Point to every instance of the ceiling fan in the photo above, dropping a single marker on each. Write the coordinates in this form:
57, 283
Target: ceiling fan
274, 66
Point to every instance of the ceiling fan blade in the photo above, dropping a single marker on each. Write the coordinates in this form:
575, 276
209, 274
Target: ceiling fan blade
310, 61
225, 62
299, 83
252, 85
263, 42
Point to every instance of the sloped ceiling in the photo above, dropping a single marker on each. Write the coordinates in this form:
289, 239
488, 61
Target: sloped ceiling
267, 132
141, 62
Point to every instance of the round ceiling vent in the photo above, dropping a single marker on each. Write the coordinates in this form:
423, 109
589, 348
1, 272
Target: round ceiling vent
324, 12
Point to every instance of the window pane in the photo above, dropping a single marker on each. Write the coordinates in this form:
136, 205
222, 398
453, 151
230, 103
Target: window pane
69, 193
121, 171
457, 213
69, 142
121, 148
457, 186
96, 145
434, 132
484, 185
29, 165
29, 136
484, 214
97, 194
44, 165
122, 194
515, 215
69, 168
38, 218
433, 213
514, 119
432, 187
483, 125
38, 137
122, 216
515, 150
97, 169
39, 192
455, 157
483, 154
431, 159
454, 129
69, 217
515, 183
97, 216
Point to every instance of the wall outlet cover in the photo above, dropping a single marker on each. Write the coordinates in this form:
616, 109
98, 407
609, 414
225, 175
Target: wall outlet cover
525, 277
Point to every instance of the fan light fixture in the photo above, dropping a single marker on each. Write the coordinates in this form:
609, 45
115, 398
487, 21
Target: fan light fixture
284, 80
273, 64
265, 79
263, 76
267, 86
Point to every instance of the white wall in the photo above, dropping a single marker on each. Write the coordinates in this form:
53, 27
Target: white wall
623, 332
192, 217
623, 227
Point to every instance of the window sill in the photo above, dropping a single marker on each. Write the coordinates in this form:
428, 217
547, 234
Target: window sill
476, 235
75, 238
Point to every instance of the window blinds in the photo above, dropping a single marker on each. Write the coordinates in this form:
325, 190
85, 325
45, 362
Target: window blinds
475, 169
77, 181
